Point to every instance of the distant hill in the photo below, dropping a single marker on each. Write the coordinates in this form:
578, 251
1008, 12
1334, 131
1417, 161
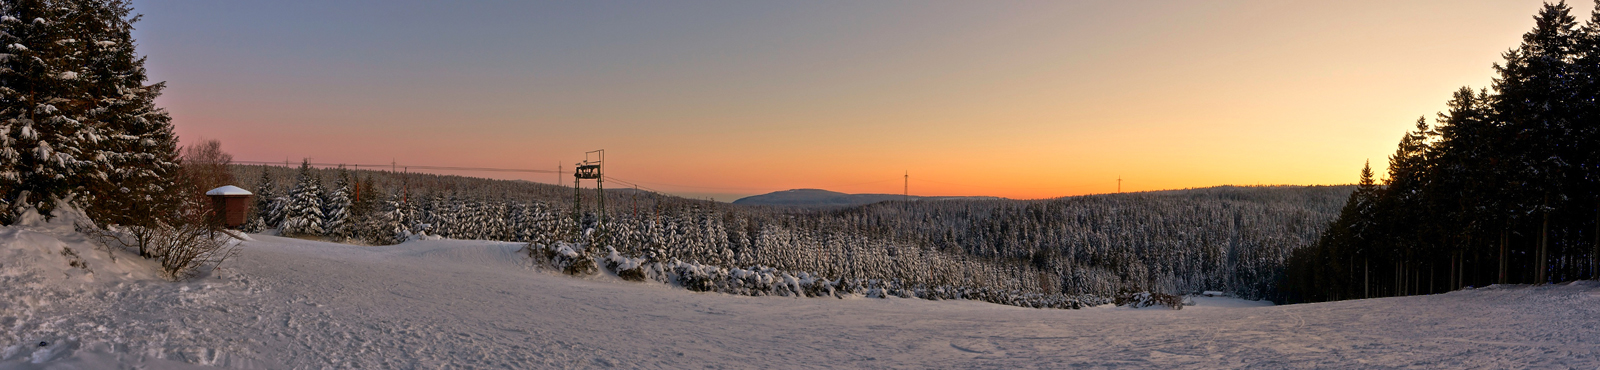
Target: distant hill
824, 198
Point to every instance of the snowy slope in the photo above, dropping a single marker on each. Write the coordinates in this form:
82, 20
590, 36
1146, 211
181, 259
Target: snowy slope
291, 303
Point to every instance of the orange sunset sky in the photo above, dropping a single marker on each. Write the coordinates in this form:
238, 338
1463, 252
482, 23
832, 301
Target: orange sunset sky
727, 99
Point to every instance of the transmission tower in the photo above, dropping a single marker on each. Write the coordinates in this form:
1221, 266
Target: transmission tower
592, 167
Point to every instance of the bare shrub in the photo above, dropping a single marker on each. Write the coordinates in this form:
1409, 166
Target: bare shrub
74, 260
206, 164
187, 239
184, 248
633, 274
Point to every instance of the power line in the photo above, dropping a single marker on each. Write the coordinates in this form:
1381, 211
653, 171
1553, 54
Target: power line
638, 184
447, 168
680, 186
635, 185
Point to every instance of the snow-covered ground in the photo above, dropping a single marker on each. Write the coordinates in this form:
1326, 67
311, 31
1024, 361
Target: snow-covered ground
290, 303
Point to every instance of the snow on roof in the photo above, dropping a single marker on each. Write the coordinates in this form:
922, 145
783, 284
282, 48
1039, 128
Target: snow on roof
228, 190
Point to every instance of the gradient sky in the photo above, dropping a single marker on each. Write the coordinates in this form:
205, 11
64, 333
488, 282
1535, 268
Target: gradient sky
724, 99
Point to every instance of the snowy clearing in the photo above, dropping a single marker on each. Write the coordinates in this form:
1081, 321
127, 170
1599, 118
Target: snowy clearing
291, 303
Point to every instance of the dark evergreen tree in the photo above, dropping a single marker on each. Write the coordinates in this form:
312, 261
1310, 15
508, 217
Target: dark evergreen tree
1501, 191
363, 207
1536, 86
260, 211
1586, 130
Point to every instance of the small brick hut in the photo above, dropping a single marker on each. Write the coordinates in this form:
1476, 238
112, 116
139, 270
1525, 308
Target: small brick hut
230, 202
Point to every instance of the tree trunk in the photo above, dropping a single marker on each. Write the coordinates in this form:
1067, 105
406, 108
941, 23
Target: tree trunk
1544, 243
1594, 264
1503, 237
1366, 278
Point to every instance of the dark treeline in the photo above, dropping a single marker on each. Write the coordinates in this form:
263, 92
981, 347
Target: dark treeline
1049, 253
1500, 188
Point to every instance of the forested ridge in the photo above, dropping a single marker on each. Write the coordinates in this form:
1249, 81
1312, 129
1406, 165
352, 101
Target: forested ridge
1054, 252
1502, 187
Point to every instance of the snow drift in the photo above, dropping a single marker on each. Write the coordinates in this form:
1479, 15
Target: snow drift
288, 303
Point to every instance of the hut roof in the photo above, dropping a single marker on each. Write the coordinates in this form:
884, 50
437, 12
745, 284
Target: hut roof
228, 190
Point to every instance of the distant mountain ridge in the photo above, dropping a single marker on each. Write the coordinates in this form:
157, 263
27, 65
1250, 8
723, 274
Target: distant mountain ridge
825, 198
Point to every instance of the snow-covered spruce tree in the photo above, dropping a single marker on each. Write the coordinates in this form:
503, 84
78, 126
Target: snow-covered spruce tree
336, 209
389, 224
303, 212
362, 206
260, 212
137, 151
32, 88
499, 221
77, 115
276, 210
444, 212
468, 220
517, 219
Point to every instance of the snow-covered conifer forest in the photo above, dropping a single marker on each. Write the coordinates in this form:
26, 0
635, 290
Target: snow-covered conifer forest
1065, 252
111, 257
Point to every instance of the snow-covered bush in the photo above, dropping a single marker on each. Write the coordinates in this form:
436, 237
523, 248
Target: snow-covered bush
630, 269
569, 258
1148, 299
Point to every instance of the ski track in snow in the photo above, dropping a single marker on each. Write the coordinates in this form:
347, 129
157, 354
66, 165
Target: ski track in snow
296, 304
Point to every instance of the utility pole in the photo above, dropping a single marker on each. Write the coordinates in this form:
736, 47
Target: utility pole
577, 198
908, 187
1119, 184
